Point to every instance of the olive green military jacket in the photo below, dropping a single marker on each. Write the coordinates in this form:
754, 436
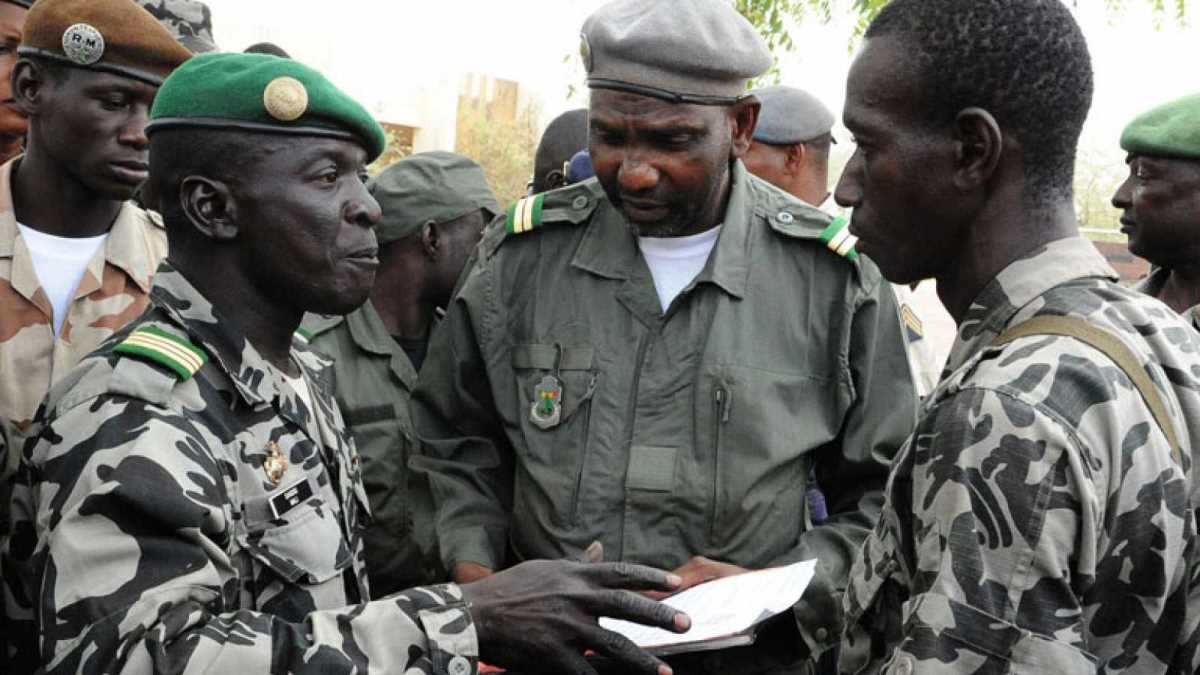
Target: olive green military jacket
689, 432
1153, 284
374, 380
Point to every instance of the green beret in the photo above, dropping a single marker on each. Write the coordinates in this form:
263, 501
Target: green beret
261, 93
430, 186
1170, 130
114, 36
699, 51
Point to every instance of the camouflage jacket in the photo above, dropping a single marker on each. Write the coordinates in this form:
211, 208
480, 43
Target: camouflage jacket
1036, 521
148, 537
679, 433
1153, 284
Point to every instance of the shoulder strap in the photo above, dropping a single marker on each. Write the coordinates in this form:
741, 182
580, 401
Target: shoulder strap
149, 343
1112, 347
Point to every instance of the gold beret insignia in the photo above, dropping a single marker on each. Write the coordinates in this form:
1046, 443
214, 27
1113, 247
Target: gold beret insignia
286, 99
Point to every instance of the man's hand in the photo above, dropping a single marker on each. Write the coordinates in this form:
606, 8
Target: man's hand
540, 616
467, 572
697, 571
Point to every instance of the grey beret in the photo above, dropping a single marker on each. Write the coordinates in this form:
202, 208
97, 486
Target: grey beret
790, 115
429, 186
684, 51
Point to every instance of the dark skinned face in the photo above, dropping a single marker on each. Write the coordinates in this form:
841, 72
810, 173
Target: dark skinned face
12, 21
306, 223
1160, 201
93, 125
665, 166
459, 238
899, 180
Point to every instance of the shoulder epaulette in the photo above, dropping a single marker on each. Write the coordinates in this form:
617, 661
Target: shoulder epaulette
839, 240
525, 214
158, 346
304, 335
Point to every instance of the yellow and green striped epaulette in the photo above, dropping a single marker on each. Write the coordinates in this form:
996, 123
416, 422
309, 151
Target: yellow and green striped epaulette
158, 346
838, 238
570, 204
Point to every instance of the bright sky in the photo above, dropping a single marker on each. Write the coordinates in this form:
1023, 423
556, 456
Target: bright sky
375, 47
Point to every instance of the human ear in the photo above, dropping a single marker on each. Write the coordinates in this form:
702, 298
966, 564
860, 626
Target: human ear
28, 82
797, 153
980, 145
744, 117
431, 239
209, 207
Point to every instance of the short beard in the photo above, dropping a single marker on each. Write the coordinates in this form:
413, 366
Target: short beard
656, 230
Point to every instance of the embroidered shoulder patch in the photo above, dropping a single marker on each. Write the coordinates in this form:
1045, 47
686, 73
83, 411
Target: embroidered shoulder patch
158, 346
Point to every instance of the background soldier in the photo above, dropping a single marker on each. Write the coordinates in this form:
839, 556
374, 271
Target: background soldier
189, 21
13, 122
563, 137
193, 502
1039, 518
791, 144
631, 364
1161, 202
434, 206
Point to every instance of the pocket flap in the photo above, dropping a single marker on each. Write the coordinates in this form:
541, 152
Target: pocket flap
651, 468
303, 545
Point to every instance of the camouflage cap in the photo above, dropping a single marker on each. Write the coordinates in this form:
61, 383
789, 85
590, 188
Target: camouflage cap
700, 51
114, 36
790, 115
264, 94
430, 186
188, 20
1170, 130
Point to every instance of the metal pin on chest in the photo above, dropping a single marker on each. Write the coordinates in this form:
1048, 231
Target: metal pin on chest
275, 465
546, 411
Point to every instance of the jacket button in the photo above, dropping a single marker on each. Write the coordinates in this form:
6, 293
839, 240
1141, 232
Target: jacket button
822, 634
902, 666
785, 218
580, 203
459, 666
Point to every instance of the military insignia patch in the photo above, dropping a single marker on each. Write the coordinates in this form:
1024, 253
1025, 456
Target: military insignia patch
839, 240
83, 44
158, 346
525, 215
546, 411
912, 324
285, 99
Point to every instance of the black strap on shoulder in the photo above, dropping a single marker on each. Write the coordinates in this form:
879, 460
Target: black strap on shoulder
1112, 347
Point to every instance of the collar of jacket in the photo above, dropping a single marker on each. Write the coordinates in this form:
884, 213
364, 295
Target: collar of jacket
125, 247
253, 376
1019, 284
368, 332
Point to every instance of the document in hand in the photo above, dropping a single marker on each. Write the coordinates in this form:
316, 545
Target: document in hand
725, 612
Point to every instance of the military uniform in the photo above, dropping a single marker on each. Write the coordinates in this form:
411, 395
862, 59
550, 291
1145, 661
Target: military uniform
689, 432
1037, 521
151, 534
188, 20
375, 381
114, 291
1153, 284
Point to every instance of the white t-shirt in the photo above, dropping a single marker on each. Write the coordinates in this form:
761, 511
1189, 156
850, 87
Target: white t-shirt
60, 263
675, 261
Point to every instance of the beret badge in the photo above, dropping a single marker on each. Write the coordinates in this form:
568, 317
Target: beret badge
285, 99
83, 44
585, 52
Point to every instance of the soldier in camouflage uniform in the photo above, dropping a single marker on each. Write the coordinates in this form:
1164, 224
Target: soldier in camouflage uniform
1039, 520
1160, 202
189, 21
192, 501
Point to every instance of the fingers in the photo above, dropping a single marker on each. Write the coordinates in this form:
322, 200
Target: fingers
595, 553
619, 648
638, 609
566, 661
634, 577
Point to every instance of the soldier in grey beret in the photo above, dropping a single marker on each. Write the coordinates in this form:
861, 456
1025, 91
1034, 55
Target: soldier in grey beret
434, 206
792, 142
628, 361
190, 21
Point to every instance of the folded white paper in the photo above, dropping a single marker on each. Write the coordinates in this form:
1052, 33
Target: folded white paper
723, 610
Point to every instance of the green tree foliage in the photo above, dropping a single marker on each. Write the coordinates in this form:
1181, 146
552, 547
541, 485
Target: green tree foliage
504, 148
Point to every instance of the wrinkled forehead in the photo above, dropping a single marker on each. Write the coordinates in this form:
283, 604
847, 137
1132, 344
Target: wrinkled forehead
608, 107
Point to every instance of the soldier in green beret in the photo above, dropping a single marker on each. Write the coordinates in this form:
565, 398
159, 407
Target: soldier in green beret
656, 358
1160, 202
191, 501
435, 205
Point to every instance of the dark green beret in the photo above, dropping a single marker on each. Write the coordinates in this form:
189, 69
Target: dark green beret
1170, 130
698, 51
262, 93
430, 186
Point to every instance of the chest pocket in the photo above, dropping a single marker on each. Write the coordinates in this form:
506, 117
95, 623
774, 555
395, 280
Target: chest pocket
574, 370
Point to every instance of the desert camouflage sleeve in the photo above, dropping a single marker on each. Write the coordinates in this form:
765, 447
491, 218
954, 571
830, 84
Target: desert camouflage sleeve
120, 564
